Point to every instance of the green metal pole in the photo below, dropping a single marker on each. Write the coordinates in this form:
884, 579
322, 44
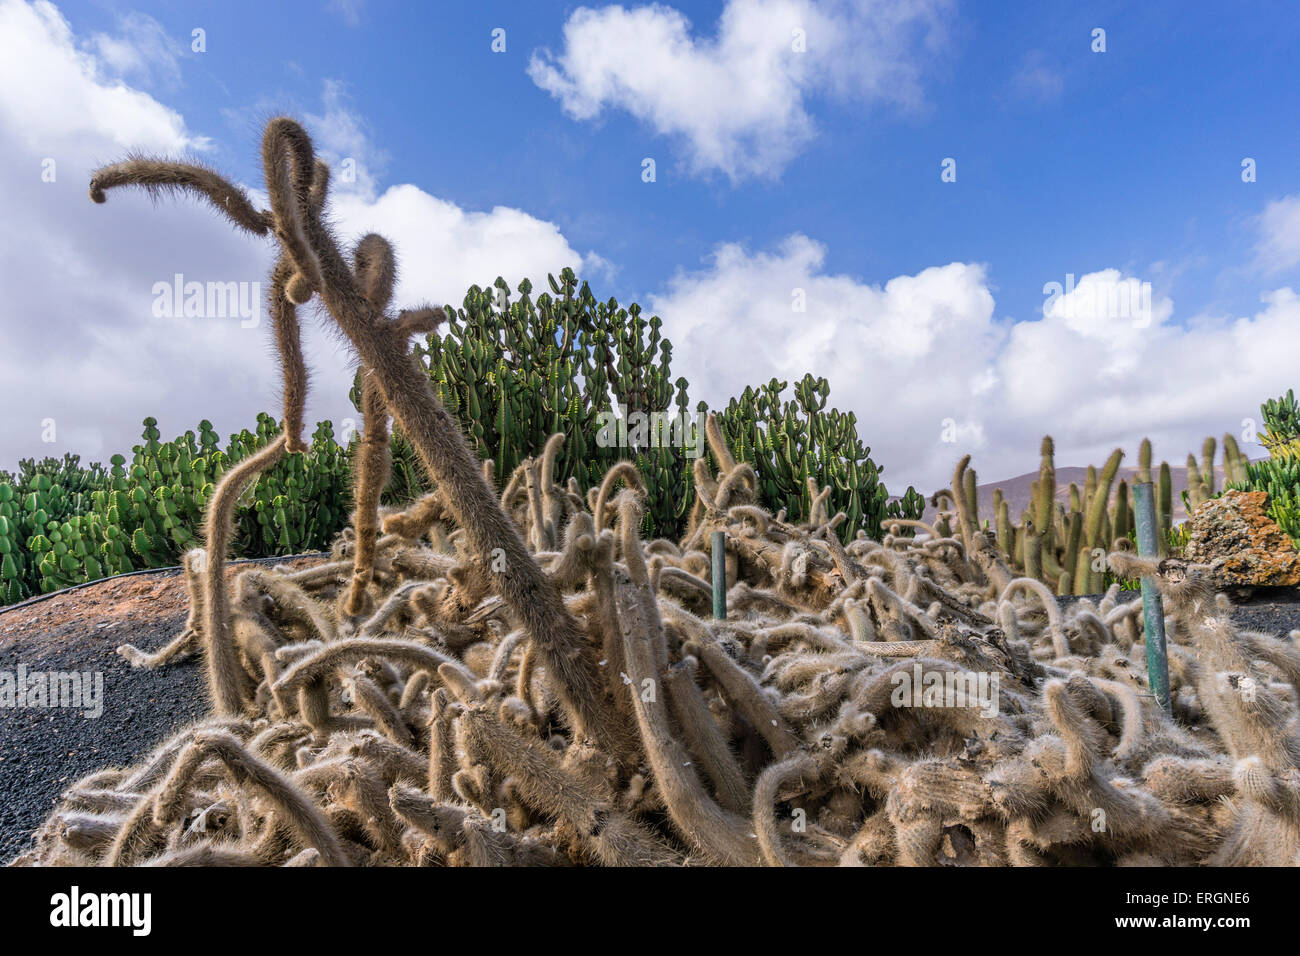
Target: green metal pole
1153, 610
719, 575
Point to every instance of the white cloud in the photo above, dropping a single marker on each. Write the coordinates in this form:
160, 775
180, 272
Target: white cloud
60, 97
443, 249
142, 50
81, 343
920, 350
1278, 248
340, 134
739, 101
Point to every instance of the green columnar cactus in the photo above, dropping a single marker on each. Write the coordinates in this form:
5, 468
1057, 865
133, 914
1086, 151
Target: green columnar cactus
1281, 434
1164, 508
789, 442
1234, 462
1207, 465
515, 372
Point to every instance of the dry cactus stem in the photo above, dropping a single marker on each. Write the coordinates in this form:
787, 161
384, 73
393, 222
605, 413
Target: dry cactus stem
519, 679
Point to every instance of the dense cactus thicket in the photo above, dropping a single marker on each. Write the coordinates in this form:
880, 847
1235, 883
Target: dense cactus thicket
61, 524
508, 672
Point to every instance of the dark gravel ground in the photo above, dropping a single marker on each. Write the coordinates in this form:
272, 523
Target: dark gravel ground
42, 751
1269, 610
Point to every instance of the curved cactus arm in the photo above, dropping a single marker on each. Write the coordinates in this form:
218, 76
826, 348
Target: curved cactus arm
158, 176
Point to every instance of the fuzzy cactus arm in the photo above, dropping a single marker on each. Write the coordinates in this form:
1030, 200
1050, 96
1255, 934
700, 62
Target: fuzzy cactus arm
421, 320
181, 646
139, 836
169, 800
296, 808
350, 650
1132, 725
1184, 780
965, 521
226, 677
704, 738
418, 517
205, 855
543, 783
738, 686
88, 832
373, 702
718, 445
798, 766
288, 342
290, 167
375, 267
736, 485
373, 466
702, 822
1060, 645
157, 176
623, 471
291, 600
1080, 734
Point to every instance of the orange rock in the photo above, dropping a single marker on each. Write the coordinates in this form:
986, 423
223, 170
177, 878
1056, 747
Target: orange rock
1234, 534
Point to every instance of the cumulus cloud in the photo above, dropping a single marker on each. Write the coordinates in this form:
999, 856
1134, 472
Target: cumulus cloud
932, 372
1278, 248
84, 345
766, 61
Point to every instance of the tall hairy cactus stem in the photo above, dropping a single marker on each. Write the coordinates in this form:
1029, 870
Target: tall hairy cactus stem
226, 677
372, 467
707, 826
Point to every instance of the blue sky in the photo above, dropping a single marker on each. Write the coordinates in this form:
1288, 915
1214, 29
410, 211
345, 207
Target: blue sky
1123, 164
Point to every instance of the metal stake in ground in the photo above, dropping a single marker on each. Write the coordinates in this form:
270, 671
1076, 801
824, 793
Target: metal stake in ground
1153, 610
719, 575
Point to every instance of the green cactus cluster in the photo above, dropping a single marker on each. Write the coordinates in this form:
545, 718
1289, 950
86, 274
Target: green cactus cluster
1280, 478
790, 441
1281, 435
62, 525
46, 501
516, 372
1061, 539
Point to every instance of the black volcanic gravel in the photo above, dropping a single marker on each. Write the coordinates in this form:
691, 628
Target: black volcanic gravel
44, 750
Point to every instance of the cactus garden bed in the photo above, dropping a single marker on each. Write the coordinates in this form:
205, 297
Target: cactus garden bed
519, 667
